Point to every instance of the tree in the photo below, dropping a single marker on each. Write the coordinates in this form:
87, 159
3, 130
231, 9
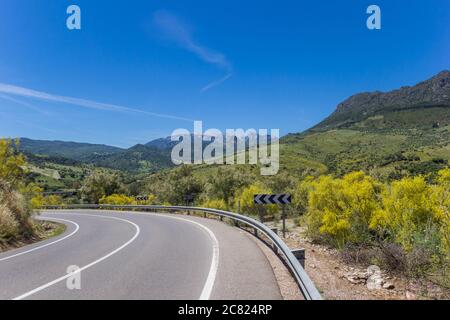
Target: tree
100, 184
182, 182
11, 163
225, 183
281, 183
246, 197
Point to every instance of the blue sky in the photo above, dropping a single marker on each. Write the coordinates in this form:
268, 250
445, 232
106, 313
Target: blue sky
139, 69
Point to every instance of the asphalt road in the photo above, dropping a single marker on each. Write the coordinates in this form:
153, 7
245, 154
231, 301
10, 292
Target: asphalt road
138, 256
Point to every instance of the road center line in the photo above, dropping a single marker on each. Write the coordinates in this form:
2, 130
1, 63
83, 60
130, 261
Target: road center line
77, 227
49, 284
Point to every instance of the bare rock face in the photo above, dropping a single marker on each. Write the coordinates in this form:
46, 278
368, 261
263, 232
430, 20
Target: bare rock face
432, 92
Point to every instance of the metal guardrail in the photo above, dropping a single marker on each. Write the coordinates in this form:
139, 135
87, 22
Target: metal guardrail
307, 287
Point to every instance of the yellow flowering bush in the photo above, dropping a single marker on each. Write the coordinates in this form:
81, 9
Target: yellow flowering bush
218, 204
410, 214
117, 199
407, 209
340, 209
300, 195
53, 200
441, 198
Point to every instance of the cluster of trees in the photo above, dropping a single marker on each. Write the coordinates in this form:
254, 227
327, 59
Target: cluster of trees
99, 185
103, 187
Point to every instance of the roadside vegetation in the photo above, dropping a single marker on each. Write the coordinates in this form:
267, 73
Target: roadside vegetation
401, 224
18, 199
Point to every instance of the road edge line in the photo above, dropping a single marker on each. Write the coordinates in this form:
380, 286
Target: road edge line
51, 283
77, 227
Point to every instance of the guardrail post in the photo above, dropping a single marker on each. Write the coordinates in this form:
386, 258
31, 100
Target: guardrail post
275, 248
300, 255
274, 230
255, 231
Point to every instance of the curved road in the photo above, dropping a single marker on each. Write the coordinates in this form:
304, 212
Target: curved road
138, 256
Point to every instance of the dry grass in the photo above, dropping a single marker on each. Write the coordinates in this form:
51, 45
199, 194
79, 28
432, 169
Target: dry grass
15, 222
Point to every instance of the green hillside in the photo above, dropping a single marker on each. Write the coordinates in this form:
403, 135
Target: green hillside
389, 135
69, 150
137, 159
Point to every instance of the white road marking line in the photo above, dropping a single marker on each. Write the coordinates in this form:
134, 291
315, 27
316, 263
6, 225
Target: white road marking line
209, 284
77, 227
49, 284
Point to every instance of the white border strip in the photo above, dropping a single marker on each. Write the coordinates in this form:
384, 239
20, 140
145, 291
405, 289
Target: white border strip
49, 284
77, 227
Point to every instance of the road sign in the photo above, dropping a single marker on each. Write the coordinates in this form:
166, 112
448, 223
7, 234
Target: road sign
272, 198
142, 198
189, 198
283, 198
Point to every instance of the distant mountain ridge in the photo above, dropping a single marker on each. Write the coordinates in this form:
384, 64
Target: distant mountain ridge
432, 93
139, 158
70, 150
404, 130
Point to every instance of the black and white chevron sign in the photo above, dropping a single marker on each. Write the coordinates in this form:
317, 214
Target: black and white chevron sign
272, 198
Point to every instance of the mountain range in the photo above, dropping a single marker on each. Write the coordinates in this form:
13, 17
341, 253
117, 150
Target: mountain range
388, 133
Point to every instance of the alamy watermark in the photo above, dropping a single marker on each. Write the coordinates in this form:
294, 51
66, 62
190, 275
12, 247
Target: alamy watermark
235, 146
374, 20
73, 281
73, 22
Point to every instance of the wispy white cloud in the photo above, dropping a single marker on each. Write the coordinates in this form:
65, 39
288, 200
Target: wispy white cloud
89, 104
178, 32
24, 103
215, 83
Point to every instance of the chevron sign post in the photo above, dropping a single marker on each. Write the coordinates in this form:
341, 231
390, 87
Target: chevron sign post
282, 199
272, 199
